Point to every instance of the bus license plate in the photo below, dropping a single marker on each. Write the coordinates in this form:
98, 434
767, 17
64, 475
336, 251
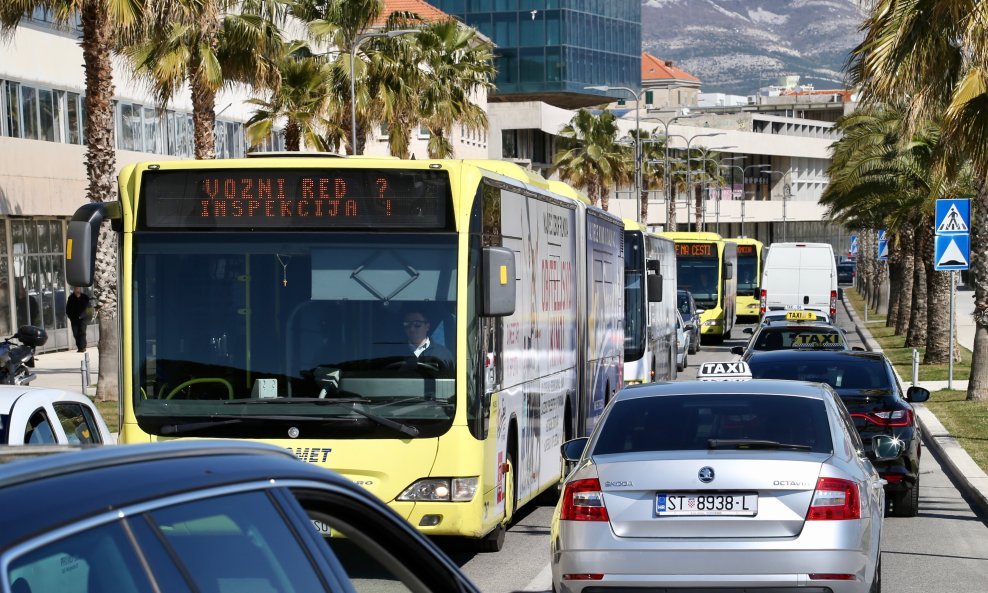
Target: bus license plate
745, 505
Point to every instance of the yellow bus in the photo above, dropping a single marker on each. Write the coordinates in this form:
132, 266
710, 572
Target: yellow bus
749, 274
705, 266
432, 330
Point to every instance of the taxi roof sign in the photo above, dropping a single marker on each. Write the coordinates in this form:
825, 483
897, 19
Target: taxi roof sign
801, 315
818, 340
737, 370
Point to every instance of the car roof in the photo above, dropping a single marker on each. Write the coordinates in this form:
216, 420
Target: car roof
807, 354
9, 394
118, 476
816, 323
749, 386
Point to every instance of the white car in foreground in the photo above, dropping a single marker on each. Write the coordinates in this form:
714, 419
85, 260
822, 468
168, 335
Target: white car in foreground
44, 416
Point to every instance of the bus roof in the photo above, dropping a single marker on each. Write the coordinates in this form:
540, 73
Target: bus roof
745, 241
634, 225
679, 236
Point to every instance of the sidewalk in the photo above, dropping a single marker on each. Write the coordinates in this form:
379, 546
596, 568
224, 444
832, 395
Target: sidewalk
62, 370
970, 478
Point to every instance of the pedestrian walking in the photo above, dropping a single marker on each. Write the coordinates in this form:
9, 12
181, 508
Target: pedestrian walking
77, 312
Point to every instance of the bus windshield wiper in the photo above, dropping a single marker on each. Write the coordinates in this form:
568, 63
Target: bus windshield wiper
178, 428
753, 444
411, 431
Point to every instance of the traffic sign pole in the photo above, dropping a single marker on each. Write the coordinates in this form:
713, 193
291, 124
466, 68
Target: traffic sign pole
950, 364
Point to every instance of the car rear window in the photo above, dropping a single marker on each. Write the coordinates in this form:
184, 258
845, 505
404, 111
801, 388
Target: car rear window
799, 338
840, 372
688, 422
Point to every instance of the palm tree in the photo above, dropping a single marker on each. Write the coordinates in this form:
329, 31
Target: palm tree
299, 100
101, 20
207, 44
457, 65
590, 157
932, 54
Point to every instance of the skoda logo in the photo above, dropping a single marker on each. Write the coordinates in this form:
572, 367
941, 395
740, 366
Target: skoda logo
706, 474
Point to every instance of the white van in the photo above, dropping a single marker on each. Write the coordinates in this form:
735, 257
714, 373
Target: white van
800, 276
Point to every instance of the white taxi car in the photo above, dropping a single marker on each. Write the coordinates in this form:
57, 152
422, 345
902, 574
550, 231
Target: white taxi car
44, 416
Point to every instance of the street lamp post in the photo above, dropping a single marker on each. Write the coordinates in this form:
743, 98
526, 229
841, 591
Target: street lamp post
785, 200
702, 215
638, 142
717, 204
689, 176
353, 76
743, 171
666, 181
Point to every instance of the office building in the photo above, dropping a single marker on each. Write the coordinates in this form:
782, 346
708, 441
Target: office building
549, 50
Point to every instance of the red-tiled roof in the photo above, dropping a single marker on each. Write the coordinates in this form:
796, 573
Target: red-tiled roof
655, 69
428, 12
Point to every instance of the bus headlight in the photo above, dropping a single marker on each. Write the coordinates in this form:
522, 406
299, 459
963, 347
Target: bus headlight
441, 489
711, 322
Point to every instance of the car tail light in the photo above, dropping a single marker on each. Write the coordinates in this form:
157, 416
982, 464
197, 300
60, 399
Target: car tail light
833, 304
762, 301
892, 477
888, 418
835, 499
583, 501
584, 576
823, 576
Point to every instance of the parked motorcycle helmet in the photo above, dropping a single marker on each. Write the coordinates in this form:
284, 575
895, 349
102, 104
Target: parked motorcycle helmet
31, 335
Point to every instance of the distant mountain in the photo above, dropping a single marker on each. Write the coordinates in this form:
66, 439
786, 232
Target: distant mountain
738, 46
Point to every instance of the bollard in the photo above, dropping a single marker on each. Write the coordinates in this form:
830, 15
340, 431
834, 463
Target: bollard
84, 369
915, 367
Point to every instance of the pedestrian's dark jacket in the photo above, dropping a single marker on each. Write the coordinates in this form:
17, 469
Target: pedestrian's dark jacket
75, 306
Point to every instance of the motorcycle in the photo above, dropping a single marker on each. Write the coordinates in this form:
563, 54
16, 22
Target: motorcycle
17, 356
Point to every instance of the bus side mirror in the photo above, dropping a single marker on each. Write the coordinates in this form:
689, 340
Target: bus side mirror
498, 282
82, 240
654, 286
729, 271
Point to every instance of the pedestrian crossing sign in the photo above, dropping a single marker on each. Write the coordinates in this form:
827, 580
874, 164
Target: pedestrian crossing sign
883, 250
854, 245
953, 252
953, 216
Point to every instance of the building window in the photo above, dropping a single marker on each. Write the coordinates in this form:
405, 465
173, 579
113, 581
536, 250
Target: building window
13, 101
29, 112
73, 119
649, 98
423, 132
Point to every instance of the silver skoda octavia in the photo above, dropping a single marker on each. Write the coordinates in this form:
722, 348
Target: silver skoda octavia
746, 486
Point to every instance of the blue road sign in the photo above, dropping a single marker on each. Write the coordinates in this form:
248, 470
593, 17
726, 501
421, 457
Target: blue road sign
881, 234
854, 245
952, 252
883, 250
953, 217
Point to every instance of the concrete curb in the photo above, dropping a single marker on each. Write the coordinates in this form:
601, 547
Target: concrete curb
968, 476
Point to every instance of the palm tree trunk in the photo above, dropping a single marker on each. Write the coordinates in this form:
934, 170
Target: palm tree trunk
697, 207
643, 210
905, 294
671, 209
895, 279
97, 39
977, 387
605, 196
293, 135
937, 304
203, 118
916, 336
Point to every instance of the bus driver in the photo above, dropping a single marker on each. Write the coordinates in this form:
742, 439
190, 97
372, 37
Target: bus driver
420, 346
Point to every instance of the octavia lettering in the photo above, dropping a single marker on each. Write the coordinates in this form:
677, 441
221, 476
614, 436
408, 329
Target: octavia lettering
295, 198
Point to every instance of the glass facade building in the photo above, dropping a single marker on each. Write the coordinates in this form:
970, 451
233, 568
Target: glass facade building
548, 50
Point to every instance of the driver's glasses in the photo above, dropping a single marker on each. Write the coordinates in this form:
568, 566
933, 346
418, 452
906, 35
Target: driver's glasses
411, 324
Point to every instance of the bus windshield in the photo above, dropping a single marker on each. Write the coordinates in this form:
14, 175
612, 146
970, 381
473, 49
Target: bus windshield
748, 275
331, 332
634, 296
700, 276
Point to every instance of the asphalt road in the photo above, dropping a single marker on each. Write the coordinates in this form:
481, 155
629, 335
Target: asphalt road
944, 549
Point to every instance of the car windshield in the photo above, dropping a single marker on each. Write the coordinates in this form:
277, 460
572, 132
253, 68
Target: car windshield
843, 373
684, 304
691, 422
799, 338
281, 318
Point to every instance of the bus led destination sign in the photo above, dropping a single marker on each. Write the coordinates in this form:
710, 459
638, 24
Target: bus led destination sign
284, 198
746, 249
695, 250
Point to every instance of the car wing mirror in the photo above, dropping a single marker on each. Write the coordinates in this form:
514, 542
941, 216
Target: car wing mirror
748, 330
573, 450
857, 348
689, 327
737, 350
884, 447
916, 394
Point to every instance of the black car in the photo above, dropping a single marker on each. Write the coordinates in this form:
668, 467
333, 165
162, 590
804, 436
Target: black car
866, 383
787, 334
204, 516
845, 273
691, 317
